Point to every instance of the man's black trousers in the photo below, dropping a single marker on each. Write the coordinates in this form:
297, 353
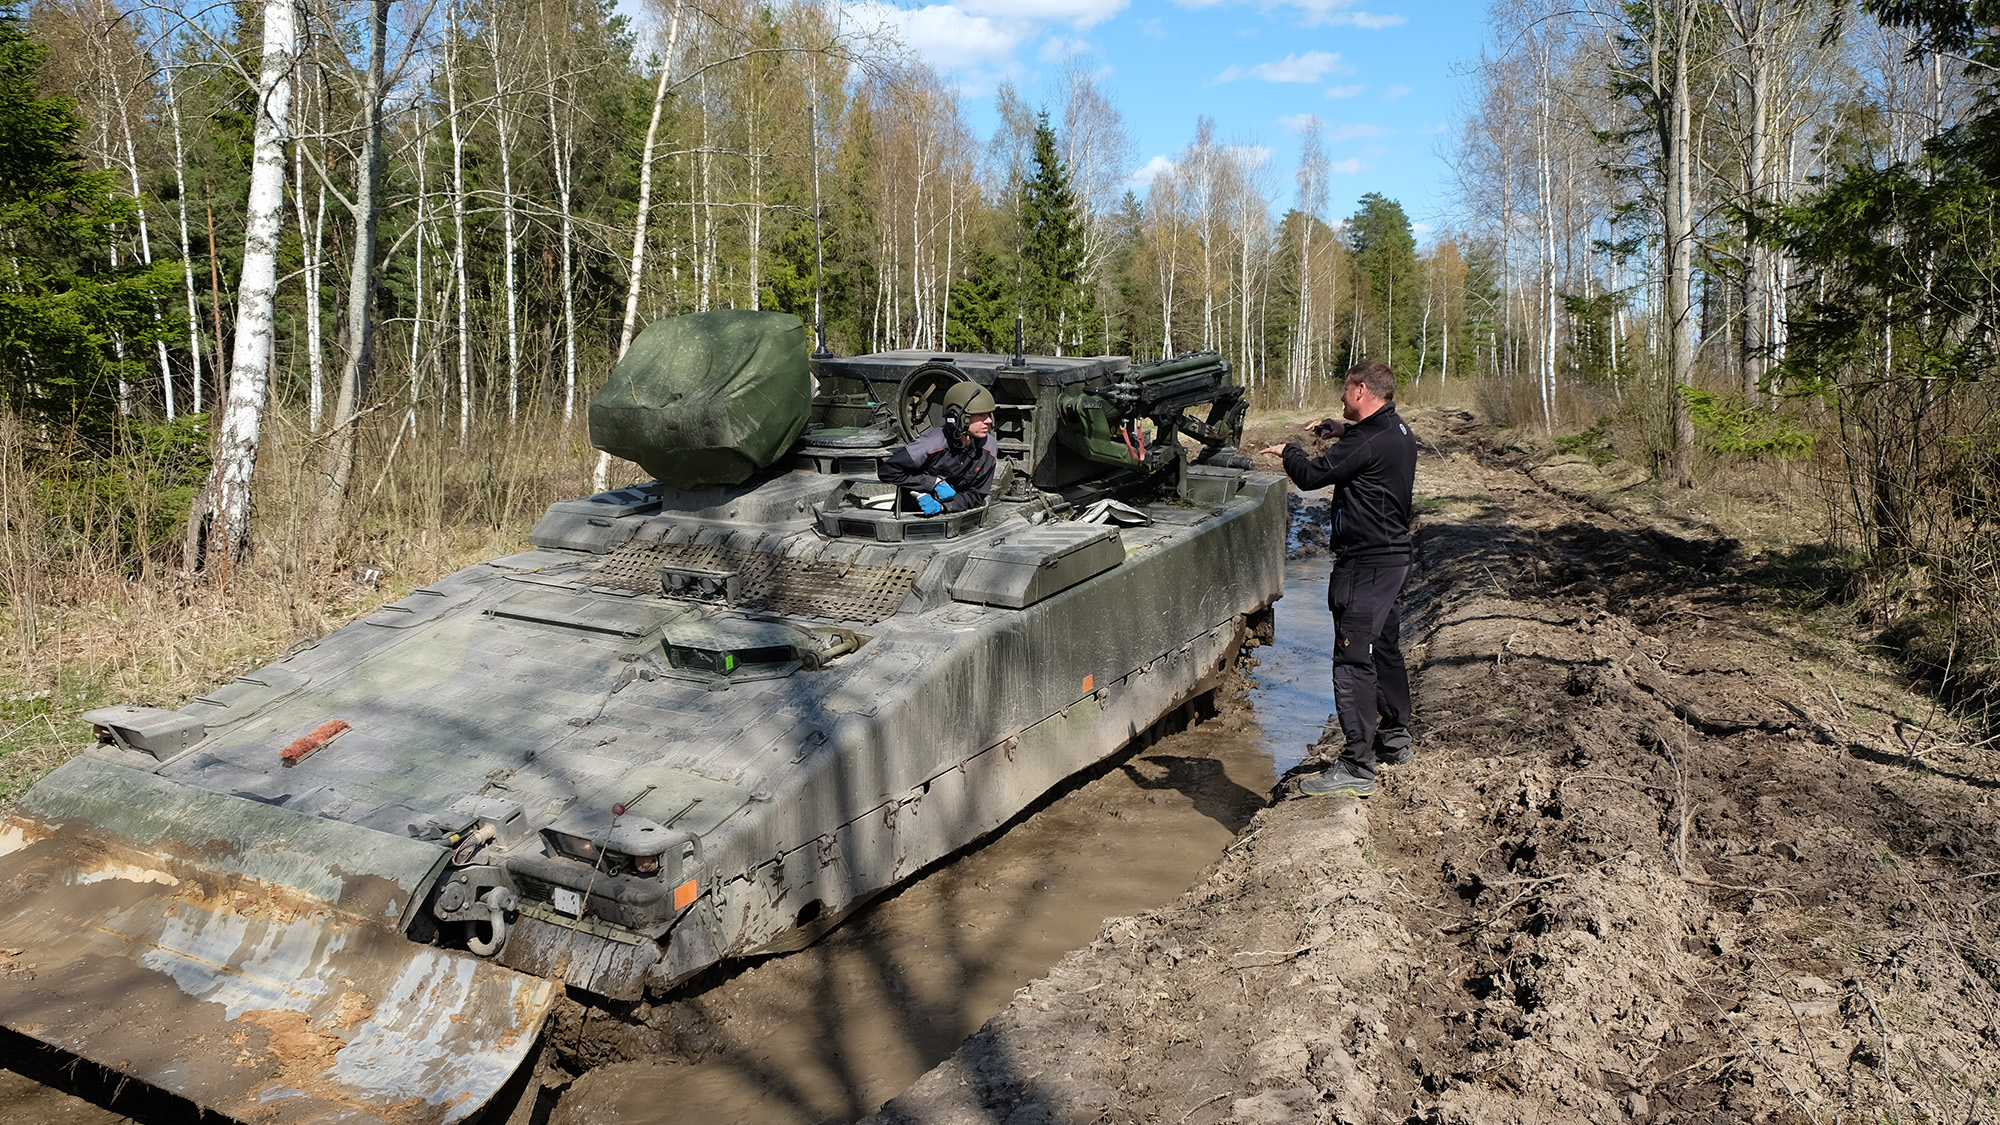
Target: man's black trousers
1371, 687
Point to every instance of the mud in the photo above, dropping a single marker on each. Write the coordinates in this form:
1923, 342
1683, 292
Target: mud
1664, 856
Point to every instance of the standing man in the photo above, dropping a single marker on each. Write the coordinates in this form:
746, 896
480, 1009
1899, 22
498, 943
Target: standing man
1373, 470
951, 465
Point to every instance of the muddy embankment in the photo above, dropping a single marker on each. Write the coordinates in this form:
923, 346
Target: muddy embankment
1664, 855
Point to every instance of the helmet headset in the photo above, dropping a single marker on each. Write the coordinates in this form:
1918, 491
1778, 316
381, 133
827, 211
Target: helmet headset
961, 402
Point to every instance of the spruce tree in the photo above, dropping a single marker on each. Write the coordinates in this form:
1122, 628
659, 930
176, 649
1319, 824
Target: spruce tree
62, 306
1385, 252
1055, 304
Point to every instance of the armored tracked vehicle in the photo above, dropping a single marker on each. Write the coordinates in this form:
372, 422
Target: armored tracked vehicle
702, 718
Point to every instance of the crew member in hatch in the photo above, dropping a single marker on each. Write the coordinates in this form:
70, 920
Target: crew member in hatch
951, 465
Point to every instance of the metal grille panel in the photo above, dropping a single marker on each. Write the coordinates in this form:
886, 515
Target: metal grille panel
842, 591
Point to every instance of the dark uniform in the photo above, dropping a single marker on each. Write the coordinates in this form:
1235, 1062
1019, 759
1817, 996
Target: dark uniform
1373, 470
967, 466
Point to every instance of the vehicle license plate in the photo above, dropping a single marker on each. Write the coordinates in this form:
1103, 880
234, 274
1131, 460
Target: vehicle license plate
568, 901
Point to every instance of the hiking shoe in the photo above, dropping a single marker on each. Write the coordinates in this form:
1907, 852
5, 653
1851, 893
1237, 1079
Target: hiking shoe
1392, 747
1337, 780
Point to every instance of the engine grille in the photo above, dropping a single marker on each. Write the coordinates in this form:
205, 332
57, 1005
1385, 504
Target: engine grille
841, 591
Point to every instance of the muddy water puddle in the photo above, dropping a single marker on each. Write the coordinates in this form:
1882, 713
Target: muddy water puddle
1293, 697
830, 1033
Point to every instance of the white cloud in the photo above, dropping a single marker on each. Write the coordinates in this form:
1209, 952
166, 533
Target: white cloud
1339, 13
1150, 171
1309, 67
1353, 132
1344, 91
1346, 167
1366, 20
1394, 92
1079, 14
1056, 48
939, 31
1298, 122
1254, 156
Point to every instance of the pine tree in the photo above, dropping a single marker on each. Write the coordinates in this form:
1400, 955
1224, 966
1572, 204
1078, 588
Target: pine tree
1056, 307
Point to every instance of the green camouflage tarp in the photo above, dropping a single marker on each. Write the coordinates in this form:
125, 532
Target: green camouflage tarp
707, 398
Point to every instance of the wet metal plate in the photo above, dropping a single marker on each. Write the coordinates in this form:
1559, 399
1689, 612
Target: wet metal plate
249, 999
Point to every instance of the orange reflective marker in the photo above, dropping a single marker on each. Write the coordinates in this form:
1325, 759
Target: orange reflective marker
1087, 682
684, 895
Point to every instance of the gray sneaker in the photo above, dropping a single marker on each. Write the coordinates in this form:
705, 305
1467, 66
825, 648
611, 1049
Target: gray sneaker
1337, 780
1392, 746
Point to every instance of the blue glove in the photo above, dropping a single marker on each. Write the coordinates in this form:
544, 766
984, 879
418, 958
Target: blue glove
944, 491
929, 506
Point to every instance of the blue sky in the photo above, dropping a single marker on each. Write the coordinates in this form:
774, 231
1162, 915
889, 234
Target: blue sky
1380, 75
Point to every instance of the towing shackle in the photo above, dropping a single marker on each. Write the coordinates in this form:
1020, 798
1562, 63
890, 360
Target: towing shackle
475, 896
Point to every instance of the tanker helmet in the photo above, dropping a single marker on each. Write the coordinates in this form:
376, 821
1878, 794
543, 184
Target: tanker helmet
965, 399
969, 397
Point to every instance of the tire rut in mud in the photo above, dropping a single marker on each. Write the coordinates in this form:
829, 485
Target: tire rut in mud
1662, 857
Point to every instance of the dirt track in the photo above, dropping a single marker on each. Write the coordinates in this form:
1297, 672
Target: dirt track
1664, 856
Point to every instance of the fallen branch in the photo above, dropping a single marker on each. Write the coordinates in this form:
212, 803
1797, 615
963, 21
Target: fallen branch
1203, 1105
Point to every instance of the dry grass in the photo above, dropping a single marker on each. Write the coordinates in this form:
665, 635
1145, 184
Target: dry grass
87, 626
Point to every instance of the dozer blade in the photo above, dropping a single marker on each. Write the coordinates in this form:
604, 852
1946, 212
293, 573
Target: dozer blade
231, 953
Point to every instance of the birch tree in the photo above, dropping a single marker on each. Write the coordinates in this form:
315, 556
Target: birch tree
219, 523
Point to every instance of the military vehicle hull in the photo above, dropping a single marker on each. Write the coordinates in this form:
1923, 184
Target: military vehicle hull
689, 725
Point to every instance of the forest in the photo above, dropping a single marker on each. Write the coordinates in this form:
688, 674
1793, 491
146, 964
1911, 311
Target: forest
299, 291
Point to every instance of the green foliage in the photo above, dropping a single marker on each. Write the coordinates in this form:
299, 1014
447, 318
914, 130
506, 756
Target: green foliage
1058, 309
1592, 444
1899, 326
1730, 423
1385, 253
131, 500
1592, 320
982, 305
66, 314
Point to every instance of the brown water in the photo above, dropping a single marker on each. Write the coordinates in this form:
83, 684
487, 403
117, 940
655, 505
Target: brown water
830, 1033
833, 1031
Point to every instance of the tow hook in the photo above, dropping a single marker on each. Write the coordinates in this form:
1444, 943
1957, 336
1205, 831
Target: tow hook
467, 898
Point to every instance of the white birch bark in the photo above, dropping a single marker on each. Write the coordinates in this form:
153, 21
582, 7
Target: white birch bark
420, 286
220, 521
507, 229
146, 254
565, 148
187, 258
458, 238
1545, 213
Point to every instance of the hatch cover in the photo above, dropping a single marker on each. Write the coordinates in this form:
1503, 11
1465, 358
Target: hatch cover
842, 591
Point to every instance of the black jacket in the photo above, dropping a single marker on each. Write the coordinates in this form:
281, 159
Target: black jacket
1373, 471
928, 460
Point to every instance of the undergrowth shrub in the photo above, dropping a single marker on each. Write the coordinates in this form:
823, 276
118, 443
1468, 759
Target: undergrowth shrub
1728, 422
